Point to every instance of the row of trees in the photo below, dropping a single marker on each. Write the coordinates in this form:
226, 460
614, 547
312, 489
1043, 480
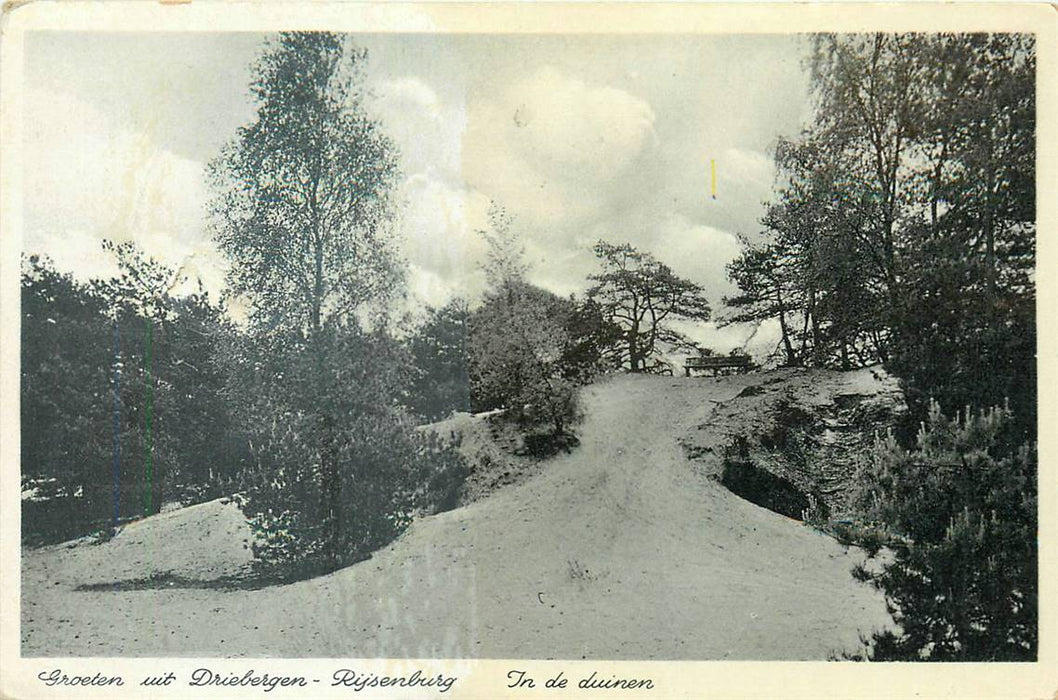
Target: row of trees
132, 397
903, 232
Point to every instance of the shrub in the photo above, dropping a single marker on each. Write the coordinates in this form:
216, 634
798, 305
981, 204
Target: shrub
852, 533
386, 476
339, 470
963, 586
518, 343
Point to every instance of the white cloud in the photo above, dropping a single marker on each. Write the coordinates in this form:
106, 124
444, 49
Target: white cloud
441, 215
597, 137
574, 130
409, 90
429, 287
439, 226
549, 146
428, 131
699, 253
746, 167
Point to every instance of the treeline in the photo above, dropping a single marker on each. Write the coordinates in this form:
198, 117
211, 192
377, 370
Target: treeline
122, 402
133, 397
903, 233
525, 350
903, 230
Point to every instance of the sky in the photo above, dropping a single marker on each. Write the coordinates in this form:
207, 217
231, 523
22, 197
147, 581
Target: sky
579, 138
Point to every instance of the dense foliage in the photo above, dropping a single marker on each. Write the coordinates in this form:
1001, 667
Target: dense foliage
303, 193
516, 356
337, 468
961, 508
121, 398
67, 411
441, 384
529, 349
903, 231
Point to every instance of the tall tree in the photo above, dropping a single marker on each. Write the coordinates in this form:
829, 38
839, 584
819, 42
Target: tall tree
303, 211
304, 191
965, 333
870, 111
765, 292
641, 295
908, 203
179, 433
907, 208
140, 305
528, 349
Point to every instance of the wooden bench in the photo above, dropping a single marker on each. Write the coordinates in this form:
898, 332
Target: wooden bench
740, 363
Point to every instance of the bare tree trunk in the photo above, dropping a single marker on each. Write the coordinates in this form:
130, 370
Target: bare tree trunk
791, 356
330, 476
633, 347
938, 172
817, 350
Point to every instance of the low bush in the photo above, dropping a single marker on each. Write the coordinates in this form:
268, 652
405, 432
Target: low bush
303, 529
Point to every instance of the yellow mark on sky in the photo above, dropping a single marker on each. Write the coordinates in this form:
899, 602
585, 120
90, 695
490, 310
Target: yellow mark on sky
712, 164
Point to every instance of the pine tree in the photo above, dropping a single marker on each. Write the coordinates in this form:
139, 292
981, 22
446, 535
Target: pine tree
762, 274
961, 509
641, 295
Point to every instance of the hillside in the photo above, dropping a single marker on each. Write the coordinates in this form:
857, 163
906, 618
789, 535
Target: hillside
624, 548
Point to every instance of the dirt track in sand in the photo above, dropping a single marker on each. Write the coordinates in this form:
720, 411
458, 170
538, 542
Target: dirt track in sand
618, 550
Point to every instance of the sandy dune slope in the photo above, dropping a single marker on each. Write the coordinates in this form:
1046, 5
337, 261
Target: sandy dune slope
618, 550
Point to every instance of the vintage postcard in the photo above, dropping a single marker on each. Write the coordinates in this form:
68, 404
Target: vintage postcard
528, 350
